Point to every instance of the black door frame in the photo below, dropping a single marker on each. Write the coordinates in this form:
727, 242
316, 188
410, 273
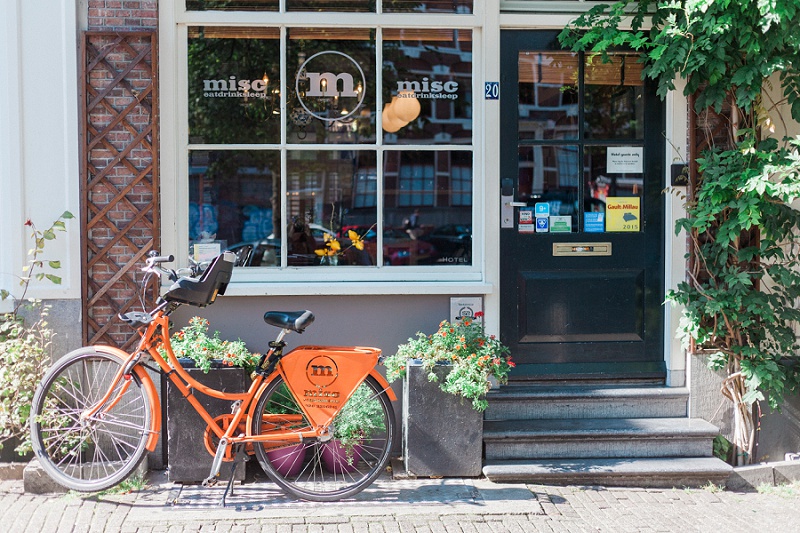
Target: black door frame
653, 365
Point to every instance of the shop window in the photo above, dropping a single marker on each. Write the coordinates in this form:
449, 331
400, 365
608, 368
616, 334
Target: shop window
353, 6
304, 161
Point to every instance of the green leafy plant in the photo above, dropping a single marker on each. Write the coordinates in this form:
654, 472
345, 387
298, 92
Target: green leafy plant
361, 417
473, 356
25, 342
194, 342
739, 299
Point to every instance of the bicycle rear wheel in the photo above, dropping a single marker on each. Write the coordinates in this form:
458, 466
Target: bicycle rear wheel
96, 453
323, 470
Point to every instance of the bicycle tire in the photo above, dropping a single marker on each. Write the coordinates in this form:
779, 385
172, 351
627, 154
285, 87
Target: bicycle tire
314, 477
96, 454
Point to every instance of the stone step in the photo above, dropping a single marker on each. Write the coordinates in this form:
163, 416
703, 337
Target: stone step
641, 472
606, 438
525, 402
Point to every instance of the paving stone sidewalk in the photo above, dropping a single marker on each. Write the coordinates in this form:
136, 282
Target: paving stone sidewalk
423, 505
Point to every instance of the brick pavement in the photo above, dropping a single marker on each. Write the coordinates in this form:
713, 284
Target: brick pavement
425, 505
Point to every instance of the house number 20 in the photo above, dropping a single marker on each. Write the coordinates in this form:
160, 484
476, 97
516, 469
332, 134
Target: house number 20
491, 90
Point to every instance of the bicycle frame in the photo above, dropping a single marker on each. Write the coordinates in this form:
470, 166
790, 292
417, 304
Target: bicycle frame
321, 379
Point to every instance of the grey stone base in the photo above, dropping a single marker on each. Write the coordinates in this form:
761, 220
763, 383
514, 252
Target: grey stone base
442, 433
745, 478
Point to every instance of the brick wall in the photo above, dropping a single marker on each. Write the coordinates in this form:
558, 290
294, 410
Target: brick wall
123, 14
120, 183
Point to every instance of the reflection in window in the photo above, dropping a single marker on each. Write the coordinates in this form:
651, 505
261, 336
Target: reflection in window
232, 5
233, 201
427, 94
358, 6
550, 174
341, 206
614, 97
325, 202
428, 198
548, 95
331, 93
428, 6
234, 85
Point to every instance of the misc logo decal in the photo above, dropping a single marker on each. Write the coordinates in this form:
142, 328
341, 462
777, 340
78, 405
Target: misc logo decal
316, 85
322, 371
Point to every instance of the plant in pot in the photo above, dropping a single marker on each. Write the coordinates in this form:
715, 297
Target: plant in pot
194, 346
287, 459
474, 359
193, 342
447, 375
360, 418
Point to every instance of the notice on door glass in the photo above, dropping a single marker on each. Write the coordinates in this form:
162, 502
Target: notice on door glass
624, 159
526, 221
622, 213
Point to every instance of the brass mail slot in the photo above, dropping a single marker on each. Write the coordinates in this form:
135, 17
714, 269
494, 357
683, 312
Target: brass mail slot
581, 248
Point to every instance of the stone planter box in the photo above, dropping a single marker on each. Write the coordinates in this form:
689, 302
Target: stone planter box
189, 461
442, 433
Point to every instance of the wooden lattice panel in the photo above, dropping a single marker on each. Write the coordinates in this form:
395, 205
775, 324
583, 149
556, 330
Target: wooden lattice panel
120, 206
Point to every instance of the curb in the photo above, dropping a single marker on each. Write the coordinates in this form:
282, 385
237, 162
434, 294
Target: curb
752, 476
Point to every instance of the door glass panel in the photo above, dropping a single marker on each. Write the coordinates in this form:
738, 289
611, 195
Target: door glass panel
427, 79
551, 174
234, 201
328, 194
234, 85
614, 105
615, 185
331, 89
430, 6
548, 95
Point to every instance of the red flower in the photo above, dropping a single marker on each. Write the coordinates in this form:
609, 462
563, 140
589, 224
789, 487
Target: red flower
479, 314
28, 222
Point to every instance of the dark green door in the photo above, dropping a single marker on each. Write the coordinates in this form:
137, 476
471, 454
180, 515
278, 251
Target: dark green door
582, 214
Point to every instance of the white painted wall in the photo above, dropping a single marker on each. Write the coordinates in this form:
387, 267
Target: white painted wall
39, 138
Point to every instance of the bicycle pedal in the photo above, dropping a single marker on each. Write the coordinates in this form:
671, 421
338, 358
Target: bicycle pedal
210, 482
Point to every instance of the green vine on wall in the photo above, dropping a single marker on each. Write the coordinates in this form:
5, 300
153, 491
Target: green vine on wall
739, 307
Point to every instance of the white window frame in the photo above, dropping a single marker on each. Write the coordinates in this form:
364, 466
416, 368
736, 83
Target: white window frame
174, 22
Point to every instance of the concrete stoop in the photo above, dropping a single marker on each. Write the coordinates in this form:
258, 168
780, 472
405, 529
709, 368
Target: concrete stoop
598, 435
617, 472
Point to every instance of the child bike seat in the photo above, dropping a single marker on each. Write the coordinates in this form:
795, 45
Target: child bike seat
202, 291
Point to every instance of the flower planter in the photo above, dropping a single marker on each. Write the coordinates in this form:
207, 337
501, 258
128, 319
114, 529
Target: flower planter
289, 460
442, 433
188, 458
335, 458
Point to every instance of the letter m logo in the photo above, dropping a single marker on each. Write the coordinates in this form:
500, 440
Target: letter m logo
331, 84
321, 370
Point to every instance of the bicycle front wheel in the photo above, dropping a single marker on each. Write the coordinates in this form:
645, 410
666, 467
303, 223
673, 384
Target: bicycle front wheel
95, 453
325, 470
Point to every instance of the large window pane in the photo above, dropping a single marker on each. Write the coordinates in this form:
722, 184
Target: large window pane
233, 201
329, 194
234, 85
548, 95
427, 208
427, 93
614, 97
428, 6
331, 96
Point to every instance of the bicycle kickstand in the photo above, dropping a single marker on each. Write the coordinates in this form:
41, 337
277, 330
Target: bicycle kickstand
239, 456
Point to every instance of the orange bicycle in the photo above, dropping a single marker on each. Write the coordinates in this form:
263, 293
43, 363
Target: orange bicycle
96, 413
